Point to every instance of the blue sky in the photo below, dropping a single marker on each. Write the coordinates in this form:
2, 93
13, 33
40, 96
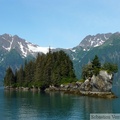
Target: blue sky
58, 23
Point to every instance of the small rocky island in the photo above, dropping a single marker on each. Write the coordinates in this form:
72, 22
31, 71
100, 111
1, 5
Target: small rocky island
96, 86
98, 81
54, 72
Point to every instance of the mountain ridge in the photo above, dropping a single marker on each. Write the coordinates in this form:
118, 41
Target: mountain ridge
94, 40
100, 44
25, 48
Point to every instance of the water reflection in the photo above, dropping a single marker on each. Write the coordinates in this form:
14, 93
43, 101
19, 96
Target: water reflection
23, 105
37, 105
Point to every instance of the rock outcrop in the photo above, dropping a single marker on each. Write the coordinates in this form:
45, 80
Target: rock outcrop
100, 83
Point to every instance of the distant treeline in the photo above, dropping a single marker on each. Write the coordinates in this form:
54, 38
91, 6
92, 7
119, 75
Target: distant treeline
50, 69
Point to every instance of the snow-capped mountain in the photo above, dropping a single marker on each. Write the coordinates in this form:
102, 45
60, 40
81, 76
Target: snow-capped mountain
15, 50
106, 46
91, 41
23, 47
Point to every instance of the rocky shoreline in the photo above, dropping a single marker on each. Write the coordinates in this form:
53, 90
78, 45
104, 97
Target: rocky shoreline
96, 86
74, 89
21, 88
68, 90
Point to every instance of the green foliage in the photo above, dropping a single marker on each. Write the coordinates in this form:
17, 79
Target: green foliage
91, 68
82, 80
94, 67
87, 71
9, 79
68, 80
111, 68
95, 62
50, 69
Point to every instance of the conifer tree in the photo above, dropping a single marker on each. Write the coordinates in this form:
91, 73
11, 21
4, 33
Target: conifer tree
96, 65
20, 76
9, 79
29, 73
39, 69
53, 68
95, 62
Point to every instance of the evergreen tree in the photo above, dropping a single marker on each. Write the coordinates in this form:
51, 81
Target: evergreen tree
91, 68
94, 67
96, 63
29, 73
87, 71
9, 79
53, 68
20, 76
111, 68
39, 69
48, 69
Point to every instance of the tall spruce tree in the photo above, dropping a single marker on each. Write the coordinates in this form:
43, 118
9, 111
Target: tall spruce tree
29, 73
9, 79
95, 62
20, 76
39, 69
96, 65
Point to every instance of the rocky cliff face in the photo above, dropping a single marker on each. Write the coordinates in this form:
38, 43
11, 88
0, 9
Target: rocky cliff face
100, 83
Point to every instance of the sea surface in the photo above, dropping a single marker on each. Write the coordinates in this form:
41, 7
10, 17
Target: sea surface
27, 105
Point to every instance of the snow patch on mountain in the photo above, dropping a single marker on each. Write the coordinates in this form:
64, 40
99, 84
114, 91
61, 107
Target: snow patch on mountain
3, 38
84, 49
4, 47
10, 44
99, 43
1, 60
106, 37
24, 53
9, 35
73, 50
35, 48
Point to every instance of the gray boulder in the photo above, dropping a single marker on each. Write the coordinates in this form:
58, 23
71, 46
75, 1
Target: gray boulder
86, 86
100, 83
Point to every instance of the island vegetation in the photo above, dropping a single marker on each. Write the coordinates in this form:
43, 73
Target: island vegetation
95, 66
97, 81
54, 68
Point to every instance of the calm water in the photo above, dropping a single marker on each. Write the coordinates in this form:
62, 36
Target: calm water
53, 106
